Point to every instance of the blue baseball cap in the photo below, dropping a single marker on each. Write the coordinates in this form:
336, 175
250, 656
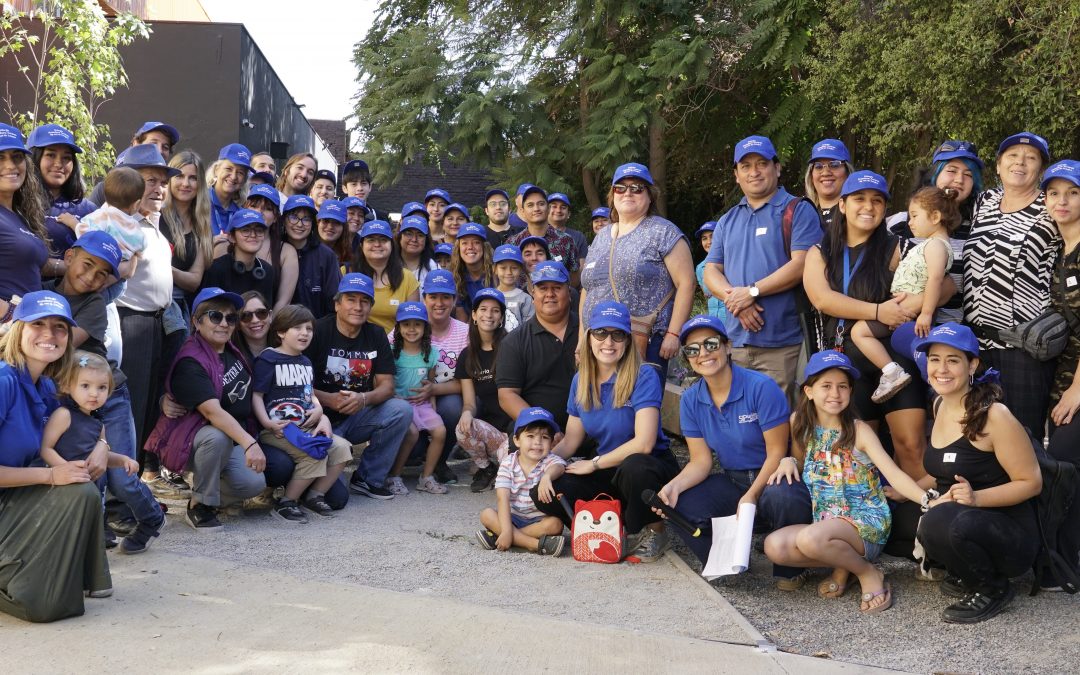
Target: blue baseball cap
357, 282
958, 150
266, 191
532, 416
632, 170
472, 230
215, 293
1067, 169
522, 188
559, 197
299, 202
707, 226
601, 212
411, 310
331, 209
508, 252
460, 208
444, 249
827, 360
952, 334
52, 134
830, 148
534, 188
315, 446
12, 139
376, 228
864, 180
100, 244
1026, 138
169, 130
754, 145
237, 154
354, 165
145, 156
610, 314
265, 177
903, 341
354, 203
550, 270
439, 281
533, 239
437, 192
413, 207
414, 223
489, 294
496, 191
41, 304
702, 321
325, 174
243, 218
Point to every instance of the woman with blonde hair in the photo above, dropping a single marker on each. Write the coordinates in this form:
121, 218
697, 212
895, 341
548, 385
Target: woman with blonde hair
185, 222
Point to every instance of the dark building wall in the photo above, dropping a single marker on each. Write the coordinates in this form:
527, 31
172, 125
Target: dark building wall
466, 184
334, 136
267, 104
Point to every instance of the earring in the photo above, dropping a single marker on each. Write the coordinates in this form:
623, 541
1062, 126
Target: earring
971, 380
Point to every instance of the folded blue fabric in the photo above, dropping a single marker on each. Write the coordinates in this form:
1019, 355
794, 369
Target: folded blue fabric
313, 446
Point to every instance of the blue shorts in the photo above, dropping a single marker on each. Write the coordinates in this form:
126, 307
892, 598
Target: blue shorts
521, 522
872, 551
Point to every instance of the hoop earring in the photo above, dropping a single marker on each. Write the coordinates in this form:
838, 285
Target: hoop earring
971, 380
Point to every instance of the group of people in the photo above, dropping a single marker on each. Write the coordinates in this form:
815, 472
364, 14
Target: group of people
227, 334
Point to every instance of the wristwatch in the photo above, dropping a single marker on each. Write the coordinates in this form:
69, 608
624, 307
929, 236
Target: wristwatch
754, 290
596, 463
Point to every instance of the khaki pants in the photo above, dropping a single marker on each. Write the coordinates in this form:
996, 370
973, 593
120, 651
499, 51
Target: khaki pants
307, 467
779, 363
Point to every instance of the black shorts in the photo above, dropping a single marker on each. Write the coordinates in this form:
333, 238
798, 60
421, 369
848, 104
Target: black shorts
913, 396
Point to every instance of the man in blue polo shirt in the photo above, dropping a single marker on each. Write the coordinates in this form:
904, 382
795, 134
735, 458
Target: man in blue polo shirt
755, 272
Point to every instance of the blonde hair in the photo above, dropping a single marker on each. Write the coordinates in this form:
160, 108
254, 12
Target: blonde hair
11, 352
282, 180
460, 270
808, 180
211, 180
200, 210
80, 361
626, 375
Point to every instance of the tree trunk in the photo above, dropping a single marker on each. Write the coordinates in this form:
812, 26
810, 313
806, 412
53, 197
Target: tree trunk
658, 159
588, 176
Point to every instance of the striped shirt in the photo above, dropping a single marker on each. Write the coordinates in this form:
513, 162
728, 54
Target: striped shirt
1008, 261
512, 477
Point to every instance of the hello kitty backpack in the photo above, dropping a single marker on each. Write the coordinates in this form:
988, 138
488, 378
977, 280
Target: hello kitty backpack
598, 535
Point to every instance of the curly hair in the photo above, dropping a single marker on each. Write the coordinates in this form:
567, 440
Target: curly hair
425, 340
461, 271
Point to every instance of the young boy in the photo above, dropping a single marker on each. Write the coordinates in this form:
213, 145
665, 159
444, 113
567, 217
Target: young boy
533, 250
518, 522
91, 261
509, 268
240, 270
443, 253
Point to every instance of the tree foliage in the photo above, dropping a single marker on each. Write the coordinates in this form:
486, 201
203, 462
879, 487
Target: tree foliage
68, 54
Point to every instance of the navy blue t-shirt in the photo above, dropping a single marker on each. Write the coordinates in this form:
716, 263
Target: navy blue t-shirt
22, 255
611, 427
286, 384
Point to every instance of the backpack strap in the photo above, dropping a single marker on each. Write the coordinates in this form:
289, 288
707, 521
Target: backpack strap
788, 219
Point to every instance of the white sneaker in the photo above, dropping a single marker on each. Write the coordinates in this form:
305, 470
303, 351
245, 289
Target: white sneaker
397, 486
890, 385
429, 484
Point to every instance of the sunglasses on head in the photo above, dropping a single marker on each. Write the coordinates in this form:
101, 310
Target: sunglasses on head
957, 146
260, 314
218, 317
832, 164
634, 188
601, 334
710, 345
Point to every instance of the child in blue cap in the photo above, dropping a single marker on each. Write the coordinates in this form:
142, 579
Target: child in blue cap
510, 274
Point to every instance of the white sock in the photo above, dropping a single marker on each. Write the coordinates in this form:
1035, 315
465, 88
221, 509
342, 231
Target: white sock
892, 368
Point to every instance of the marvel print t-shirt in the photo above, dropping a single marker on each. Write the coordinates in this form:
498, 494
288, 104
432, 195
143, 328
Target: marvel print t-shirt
286, 385
191, 386
349, 364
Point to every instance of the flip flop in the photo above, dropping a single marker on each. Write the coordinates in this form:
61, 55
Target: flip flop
829, 589
869, 597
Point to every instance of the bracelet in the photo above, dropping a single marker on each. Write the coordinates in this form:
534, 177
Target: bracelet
674, 335
928, 497
253, 444
596, 463
876, 308
107, 446
52, 477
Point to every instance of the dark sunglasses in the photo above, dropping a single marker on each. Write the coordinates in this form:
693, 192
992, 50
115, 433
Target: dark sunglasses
957, 146
260, 314
710, 345
217, 317
832, 164
601, 334
634, 188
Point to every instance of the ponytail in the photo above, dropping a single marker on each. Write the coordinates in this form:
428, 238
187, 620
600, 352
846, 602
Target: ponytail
984, 392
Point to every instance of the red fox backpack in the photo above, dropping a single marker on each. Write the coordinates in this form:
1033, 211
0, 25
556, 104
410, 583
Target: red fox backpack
598, 534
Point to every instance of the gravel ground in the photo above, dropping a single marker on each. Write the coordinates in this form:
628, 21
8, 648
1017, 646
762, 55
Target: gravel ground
1033, 635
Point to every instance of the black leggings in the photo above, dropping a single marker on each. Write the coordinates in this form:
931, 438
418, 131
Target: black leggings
984, 547
1065, 447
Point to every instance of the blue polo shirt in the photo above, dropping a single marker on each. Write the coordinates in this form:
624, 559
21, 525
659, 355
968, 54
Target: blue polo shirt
749, 243
735, 432
220, 215
24, 409
611, 428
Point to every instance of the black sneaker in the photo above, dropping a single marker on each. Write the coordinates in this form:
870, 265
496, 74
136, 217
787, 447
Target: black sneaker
203, 518
318, 506
486, 538
954, 587
288, 511
140, 540
551, 544
175, 479
362, 487
110, 540
445, 475
458, 453
976, 606
122, 525
484, 478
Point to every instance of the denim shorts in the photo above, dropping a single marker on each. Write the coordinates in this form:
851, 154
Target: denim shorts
872, 550
522, 522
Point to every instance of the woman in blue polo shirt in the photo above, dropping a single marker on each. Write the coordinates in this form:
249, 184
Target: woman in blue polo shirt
52, 547
615, 400
56, 160
23, 250
227, 186
741, 417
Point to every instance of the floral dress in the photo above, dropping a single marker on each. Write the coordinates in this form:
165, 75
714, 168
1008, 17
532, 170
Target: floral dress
844, 483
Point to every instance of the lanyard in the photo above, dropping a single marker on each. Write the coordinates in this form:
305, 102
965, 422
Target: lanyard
849, 271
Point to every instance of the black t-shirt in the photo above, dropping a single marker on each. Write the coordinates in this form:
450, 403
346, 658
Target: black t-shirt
286, 385
88, 310
497, 238
350, 364
540, 365
191, 386
222, 274
487, 394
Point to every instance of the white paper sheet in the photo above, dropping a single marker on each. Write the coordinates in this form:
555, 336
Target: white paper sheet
731, 537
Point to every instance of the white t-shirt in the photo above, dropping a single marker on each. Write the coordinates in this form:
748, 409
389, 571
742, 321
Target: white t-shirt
151, 287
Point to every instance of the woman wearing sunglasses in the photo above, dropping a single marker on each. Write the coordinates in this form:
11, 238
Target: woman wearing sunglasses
615, 400
212, 380
254, 325
829, 166
740, 417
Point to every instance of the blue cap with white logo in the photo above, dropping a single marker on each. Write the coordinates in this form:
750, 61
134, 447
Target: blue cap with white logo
533, 239
354, 203
601, 212
1027, 138
472, 230
357, 282
550, 270
827, 360
243, 218
1066, 169
632, 170
414, 223
523, 188
707, 226
610, 314
439, 281
508, 252
754, 145
12, 139
534, 188
169, 130
237, 154
52, 134
299, 202
261, 177
830, 148
412, 310
952, 334
702, 321
332, 209
437, 192
532, 416
489, 294
495, 191
864, 180
376, 228
215, 293
100, 244
412, 208
444, 249
559, 197
958, 150
42, 304
325, 174
460, 208
267, 192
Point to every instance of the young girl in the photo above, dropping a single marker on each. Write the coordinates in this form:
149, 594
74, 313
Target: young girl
471, 265
509, 272
415, 360
932, 215
841, 457
283, 396
481, 429
275, 250
75, 429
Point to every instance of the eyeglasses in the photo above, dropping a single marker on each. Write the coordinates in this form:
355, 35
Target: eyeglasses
255, 232
294, 219
957, 146
833, 164
498, 204
634, 188
260, 314
218, 318
601, 334
710, 345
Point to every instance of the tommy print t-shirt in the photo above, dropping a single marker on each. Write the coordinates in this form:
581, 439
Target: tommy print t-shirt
342, 363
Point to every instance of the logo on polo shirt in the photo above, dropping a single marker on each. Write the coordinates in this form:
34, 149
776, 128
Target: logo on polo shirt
748, 418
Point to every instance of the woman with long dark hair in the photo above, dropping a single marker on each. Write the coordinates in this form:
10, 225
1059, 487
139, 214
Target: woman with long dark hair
415, 247
378, 257
24, 240
56, 162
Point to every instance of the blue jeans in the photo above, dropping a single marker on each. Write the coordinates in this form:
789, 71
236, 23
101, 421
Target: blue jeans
120, 433
718, 496
279, 470
384, 427
652, 354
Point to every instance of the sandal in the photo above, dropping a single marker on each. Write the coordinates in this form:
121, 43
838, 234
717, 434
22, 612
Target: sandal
829, 589
869, 597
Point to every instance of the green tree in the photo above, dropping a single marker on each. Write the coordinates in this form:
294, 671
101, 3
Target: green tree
68, 55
